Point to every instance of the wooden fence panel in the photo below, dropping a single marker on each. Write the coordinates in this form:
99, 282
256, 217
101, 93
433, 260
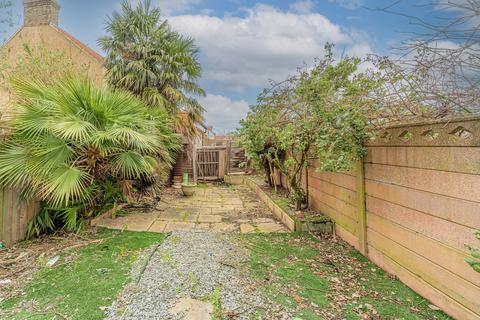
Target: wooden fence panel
435, 251
451, 184
15, 214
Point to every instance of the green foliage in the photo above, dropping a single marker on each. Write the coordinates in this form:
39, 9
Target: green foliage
323, 113
72, 144
474, 260
38, 64
83, 281
215, 300
42, 222
146, 57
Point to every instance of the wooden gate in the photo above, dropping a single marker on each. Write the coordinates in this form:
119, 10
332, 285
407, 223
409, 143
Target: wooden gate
210, 163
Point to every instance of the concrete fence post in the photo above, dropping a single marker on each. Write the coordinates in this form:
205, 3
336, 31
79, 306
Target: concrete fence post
361, 206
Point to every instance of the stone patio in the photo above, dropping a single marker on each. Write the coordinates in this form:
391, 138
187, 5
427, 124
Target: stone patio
216, 208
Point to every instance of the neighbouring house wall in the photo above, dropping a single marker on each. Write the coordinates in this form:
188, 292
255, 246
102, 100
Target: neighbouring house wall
51, 38
411, 206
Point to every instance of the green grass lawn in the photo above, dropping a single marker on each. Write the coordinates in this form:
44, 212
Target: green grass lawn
323, 279
84, 280
316, 278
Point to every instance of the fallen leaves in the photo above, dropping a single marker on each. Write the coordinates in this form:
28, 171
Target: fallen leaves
352, 280
19, 262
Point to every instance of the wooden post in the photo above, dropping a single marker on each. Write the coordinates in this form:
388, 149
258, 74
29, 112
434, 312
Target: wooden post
228, 160
194, 163
221, 164
307, 189
361, 207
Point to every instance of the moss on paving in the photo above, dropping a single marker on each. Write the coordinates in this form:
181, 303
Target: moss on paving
326, 279
83, 282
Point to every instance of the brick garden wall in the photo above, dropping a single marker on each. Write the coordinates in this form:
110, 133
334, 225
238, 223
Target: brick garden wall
411, 206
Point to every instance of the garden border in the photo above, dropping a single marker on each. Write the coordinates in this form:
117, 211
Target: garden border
283, 216
292, 223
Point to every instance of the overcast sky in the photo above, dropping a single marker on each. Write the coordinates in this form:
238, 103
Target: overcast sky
243, 43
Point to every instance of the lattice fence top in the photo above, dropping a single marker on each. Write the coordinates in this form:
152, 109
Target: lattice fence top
452, 132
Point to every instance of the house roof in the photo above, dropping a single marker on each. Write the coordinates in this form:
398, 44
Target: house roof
70, 38
80, 44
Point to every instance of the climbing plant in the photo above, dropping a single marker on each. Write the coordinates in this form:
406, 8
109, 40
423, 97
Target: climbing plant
324, 112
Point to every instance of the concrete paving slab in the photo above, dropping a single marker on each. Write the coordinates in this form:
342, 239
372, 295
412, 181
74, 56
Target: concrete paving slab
270, 227
224, 227
209, 218
215, 208
247, 228
158, 226
184, 226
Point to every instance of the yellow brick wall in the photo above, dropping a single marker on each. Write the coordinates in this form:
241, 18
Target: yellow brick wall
52, 38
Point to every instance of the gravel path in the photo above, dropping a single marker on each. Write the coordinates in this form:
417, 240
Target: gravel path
193, 265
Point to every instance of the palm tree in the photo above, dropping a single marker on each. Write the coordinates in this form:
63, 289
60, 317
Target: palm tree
146, 57
69, 139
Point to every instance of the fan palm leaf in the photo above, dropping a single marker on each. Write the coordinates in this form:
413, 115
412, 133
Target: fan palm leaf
69, 136
146, 57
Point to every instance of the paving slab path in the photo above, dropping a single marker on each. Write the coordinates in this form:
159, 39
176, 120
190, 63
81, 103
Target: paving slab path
216, 208
194, 275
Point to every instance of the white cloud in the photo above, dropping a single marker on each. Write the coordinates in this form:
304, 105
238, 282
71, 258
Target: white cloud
349, 4
242, 52
222, 112
302, 6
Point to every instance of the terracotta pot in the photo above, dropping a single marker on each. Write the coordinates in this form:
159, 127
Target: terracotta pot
188, 189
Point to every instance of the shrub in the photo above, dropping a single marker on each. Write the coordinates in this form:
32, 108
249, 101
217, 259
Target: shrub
71, 144
38, 63
145, 56
322, 112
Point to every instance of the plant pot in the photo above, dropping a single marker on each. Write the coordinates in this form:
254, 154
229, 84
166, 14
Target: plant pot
188, 189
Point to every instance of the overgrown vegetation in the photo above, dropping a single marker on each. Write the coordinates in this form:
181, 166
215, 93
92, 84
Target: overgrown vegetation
83, 281
325, 112
79, 149
440, 61
325, 279
37, 64
215, 300
155, 63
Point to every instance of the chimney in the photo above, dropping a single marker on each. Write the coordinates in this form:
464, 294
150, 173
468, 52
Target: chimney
40, 12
